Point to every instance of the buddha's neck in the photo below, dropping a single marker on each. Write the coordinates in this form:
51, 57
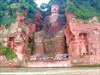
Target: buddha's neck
53, 18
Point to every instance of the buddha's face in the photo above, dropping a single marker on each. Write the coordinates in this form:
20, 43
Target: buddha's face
54, 8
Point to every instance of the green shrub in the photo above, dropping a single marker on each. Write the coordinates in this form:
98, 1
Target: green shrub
71, 8
31, 40
98, 17
6, 21
10, 56
85, 13
8, 52
31, 48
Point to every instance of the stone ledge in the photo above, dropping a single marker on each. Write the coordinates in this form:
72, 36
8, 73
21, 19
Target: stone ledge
54, 63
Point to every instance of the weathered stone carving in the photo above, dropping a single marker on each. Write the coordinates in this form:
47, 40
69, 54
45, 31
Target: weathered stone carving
52, 40
54, 22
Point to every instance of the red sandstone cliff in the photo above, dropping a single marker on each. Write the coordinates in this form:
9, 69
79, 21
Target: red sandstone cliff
83, 40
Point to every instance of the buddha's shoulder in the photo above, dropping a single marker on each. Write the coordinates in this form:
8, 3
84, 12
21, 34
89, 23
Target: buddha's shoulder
62, 17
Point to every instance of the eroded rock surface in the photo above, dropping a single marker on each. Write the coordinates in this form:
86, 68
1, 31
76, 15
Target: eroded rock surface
83, 40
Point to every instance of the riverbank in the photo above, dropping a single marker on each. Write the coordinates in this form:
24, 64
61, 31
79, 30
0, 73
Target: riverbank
51, 71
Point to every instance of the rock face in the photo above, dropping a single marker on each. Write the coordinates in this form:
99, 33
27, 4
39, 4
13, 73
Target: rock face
83, 40
38, 40
18, 36
12, 35
32, 28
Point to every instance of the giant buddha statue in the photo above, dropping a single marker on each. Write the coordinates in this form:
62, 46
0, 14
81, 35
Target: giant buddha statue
54, 22
51, 40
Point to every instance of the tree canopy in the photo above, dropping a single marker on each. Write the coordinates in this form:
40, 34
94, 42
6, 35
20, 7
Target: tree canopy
8, 9
84, 9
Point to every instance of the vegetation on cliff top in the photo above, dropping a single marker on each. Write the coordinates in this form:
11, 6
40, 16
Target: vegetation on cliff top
8, 9
84, 9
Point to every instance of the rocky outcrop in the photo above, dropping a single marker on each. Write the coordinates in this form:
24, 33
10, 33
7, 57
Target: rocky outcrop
83, 40
13, 36
18, 36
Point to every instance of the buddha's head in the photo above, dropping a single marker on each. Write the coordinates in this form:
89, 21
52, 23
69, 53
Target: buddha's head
54, 9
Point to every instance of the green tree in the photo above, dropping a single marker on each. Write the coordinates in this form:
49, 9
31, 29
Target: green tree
84, 9
43, 6
8, 9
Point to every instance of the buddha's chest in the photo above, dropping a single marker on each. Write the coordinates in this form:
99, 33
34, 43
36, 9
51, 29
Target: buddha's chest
53, 18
